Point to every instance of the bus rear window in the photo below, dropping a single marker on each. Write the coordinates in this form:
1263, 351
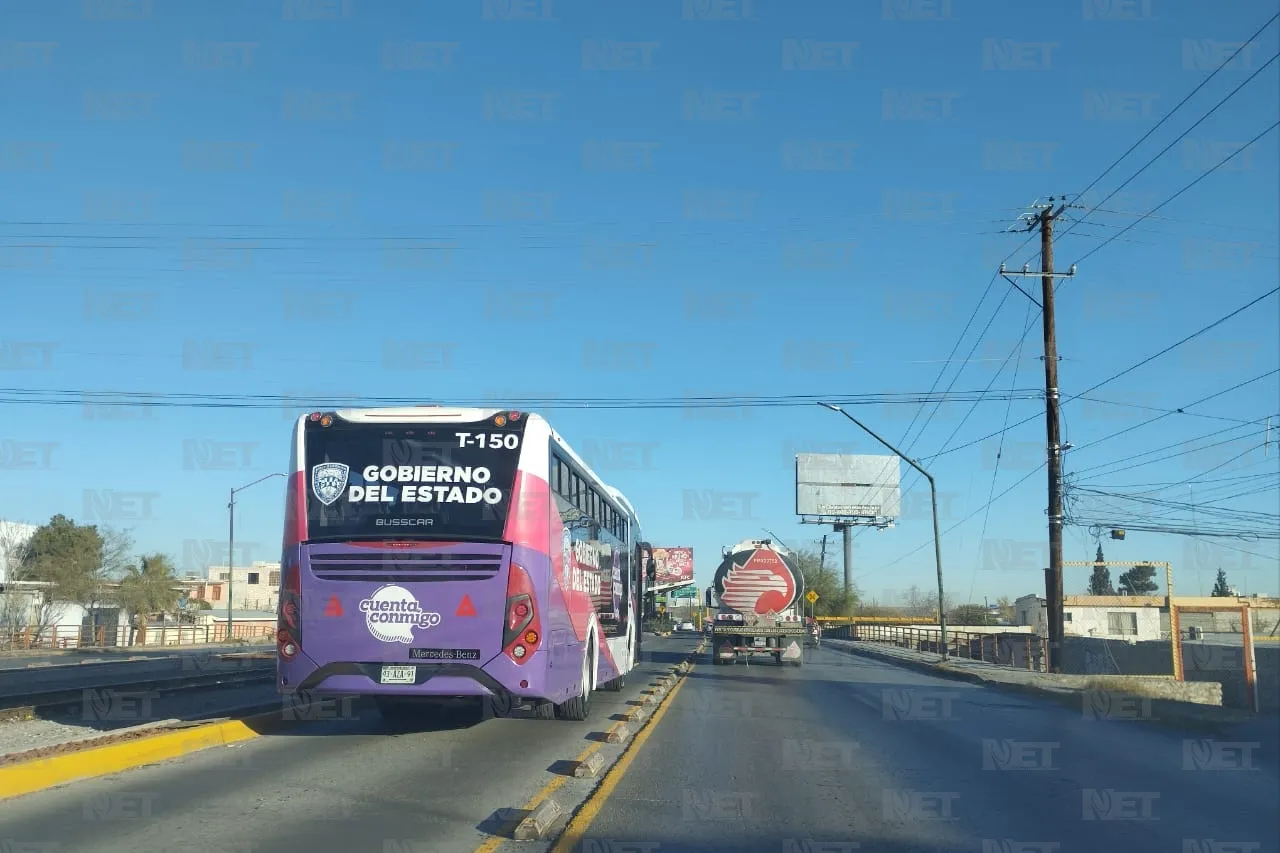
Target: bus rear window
409, 481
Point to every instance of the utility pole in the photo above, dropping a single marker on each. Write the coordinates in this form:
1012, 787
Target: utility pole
822, 558
1053, 448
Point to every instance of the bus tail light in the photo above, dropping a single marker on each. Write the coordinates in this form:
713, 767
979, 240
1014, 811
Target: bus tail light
289, 613
521, 629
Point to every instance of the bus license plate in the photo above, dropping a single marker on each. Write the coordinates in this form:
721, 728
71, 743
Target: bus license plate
399, 674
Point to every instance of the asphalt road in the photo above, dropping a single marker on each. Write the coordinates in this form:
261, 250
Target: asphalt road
844, 751
851, 751
348, 784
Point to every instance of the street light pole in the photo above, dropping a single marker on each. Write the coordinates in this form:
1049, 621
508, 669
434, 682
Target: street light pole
231, 548
933, 494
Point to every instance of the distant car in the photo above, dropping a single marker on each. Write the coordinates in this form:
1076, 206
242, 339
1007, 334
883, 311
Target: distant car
687, 626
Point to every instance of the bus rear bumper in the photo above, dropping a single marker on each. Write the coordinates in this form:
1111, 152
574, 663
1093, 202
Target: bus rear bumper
498, 678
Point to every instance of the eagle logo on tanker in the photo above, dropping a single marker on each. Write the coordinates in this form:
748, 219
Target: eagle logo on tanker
762, 585
328, 479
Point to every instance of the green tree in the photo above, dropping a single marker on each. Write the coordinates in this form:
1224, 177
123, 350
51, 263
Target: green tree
1100, 580
968, 614
1138, 580
69, 556
1220, 587
832, 600
148, 589
1008, 612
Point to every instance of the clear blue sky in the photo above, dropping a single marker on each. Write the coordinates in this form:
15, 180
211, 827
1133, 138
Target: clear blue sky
591, 231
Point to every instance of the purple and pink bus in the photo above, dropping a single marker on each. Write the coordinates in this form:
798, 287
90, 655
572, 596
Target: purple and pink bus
459, 555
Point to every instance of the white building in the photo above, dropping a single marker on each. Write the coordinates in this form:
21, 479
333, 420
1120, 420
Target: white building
1112, 617
255, 587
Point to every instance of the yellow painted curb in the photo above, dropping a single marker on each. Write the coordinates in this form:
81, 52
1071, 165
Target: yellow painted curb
42, 773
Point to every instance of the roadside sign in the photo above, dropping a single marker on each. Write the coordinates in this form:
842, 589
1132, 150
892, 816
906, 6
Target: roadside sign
811, 596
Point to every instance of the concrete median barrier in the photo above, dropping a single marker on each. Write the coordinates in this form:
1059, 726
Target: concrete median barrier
38, 774
536, 826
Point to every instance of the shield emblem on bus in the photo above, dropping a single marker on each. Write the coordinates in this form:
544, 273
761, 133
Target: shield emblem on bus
328, 479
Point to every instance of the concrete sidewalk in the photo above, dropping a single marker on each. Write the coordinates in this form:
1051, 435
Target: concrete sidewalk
1196, 703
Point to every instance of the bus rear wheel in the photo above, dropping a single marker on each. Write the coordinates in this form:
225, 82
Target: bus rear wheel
578, 708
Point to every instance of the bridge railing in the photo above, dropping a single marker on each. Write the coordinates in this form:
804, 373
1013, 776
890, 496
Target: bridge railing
73, 636
1019, 650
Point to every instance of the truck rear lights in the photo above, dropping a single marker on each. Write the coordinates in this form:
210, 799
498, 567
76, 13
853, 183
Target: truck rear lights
522, 629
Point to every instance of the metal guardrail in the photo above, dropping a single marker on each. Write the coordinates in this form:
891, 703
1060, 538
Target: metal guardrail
167, 684
1016, 650
71, 636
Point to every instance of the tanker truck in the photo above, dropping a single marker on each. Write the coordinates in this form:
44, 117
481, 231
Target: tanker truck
757, 590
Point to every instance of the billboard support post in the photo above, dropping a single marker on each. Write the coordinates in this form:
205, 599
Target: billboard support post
937, 538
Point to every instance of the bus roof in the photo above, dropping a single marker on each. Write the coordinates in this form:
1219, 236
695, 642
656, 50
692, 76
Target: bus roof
437, 414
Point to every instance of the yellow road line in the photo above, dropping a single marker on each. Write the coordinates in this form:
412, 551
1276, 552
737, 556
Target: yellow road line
545, 791
591, 808
31, 776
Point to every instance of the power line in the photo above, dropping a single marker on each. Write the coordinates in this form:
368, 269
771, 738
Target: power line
1159, 450
929, 542
972, 315
995, 473
1178, 106
189, 400
1198, 179
1178, 411
1110, 379
1181, 411
1222, 101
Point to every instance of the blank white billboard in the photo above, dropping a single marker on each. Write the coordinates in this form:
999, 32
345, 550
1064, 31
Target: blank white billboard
847, 486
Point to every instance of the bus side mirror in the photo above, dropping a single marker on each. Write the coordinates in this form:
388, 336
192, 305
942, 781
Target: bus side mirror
651, 569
